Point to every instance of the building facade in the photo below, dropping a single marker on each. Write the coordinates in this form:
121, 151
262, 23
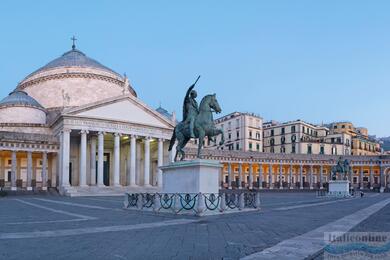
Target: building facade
243, 132
77, 125
299, 137
362, 143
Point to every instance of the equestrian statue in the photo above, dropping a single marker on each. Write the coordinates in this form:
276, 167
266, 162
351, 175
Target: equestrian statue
342, 168
197, 122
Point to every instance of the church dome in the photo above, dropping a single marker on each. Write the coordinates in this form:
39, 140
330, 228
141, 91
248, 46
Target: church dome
19, 107
72, 80
74, 58
19, 98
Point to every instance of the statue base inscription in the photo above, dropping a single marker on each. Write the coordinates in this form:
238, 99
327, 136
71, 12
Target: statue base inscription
196, 176
339, 188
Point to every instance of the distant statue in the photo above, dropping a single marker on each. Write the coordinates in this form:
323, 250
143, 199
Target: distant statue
342, 168
197, 122
65, 98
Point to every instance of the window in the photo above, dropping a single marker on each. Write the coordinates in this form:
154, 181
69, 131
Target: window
293, 129
293, 138
322, 150
335, 127
237, 146
257, 147
250, 134
250, 146
343, 126
283, 139
283, 130
272, 132
332, 140
272, 141
282, 149
238, 134
258, 137
309, 149
230, 136
339, 140
272, 150
303, 129
9, 162
334, 150
293, 148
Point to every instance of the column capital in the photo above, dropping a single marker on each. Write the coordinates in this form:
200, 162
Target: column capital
134, 136
161, 139
147, 138
83, 131
117, 134
66, 130
101, 133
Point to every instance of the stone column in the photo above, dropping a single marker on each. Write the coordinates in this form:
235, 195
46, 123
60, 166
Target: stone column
93, 160
29, 170
83, 159
172, 153
361, 185
271, 185
371, 177
382, 178
160, 157
117, 156
260, 175
240, 175
321, 177
250, 176
311, 177
301, 176
65, 148
133, 147
280, 176
13, 170
100, 159
44, 171
147, 162
291, 174
229, 175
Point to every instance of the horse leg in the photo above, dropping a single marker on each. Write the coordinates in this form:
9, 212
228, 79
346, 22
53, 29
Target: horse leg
201, 135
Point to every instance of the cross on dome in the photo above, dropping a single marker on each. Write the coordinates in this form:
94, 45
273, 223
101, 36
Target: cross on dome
74, 42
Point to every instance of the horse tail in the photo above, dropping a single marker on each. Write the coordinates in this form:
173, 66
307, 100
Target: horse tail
173, 139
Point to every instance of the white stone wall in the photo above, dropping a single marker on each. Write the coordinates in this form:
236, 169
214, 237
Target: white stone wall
72, 86
27, 115
27, 129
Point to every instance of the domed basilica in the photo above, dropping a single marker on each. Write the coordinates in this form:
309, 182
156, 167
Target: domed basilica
78, 126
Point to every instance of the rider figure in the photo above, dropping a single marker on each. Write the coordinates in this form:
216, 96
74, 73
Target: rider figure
190, 108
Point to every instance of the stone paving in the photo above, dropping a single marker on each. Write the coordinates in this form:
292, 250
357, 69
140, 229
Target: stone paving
53, 227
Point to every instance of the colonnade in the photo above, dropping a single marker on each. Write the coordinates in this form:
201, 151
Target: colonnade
96, 140
293, 175
12, 172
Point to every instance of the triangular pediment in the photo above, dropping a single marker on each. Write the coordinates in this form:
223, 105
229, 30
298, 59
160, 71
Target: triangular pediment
125, 109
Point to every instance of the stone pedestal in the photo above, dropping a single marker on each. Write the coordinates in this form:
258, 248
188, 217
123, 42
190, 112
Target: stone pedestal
339, 188
197, 176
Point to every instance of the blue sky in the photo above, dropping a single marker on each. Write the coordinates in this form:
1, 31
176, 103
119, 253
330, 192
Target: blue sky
319, 61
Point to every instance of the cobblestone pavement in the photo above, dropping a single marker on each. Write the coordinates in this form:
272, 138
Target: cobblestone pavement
52, 227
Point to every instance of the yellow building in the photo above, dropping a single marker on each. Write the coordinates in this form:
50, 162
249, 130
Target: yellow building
362, 143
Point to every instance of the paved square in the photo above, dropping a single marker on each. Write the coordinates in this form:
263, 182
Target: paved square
53, 227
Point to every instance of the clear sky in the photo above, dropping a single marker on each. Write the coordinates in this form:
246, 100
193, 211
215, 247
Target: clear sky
319, 61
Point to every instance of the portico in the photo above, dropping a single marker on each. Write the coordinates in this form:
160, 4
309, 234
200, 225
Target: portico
99, 151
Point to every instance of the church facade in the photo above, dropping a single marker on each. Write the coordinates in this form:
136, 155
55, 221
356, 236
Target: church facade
77, 125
